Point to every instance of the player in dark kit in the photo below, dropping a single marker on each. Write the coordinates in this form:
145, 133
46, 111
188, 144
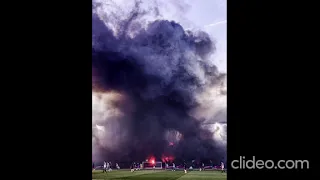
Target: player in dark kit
173, 167
202, 167
132, 167
185, 168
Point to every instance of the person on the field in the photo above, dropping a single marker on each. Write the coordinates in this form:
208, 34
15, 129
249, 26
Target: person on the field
185, 168
167, 166
110, 169
132, 167
202, 166
104, 166
117, 166
108, 166
173, 167
222, 167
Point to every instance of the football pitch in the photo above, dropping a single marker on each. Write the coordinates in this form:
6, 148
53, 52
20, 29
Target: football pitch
158, 175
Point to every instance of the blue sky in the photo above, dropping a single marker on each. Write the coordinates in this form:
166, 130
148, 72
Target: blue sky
211, 16
207, 15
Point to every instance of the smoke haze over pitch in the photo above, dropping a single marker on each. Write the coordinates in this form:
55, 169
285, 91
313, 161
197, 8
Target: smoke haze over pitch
153, 83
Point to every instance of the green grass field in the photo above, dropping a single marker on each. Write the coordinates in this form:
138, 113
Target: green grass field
159, 175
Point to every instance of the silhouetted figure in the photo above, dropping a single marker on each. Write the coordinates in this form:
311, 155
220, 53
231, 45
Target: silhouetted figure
132, 167
185, 168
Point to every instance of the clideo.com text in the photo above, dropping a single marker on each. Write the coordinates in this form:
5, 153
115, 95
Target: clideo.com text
253, 163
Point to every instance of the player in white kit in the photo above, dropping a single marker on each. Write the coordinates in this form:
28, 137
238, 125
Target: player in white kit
104, 166
109, 166
222, 167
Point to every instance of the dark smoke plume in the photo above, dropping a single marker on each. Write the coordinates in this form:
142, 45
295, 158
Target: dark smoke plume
149, 82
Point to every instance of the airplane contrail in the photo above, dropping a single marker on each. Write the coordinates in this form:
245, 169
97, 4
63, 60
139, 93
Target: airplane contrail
217, 23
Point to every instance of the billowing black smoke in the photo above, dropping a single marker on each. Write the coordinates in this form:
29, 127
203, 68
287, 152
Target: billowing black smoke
159, 70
